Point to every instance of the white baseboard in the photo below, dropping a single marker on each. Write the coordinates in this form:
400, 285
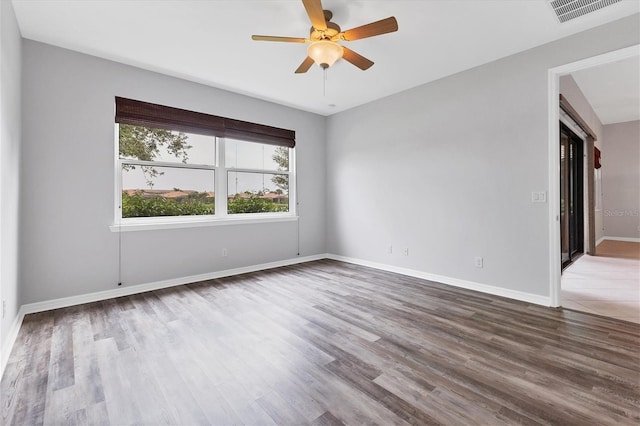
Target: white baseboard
627, 239
455, 282
600, 241
10, 340
64, 302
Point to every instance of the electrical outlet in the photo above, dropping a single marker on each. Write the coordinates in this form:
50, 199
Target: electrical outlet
389, 249
224, 252
479, 262
4, 308
405, 251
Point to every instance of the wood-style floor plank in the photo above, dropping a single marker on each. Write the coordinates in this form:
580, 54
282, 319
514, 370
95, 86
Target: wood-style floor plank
321, 343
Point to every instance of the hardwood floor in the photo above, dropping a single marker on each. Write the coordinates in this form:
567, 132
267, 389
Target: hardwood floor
607, 284
321, 343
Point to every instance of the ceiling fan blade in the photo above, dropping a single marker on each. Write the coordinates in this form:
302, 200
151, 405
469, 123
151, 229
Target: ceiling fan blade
356, 59
275, 38
383, 26
316, 15
305, 65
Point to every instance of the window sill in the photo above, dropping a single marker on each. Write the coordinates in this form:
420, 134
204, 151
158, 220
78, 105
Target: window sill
152, 225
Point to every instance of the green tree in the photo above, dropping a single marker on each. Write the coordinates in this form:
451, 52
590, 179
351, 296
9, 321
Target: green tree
281, 157
137, 205
253, 204
144, 143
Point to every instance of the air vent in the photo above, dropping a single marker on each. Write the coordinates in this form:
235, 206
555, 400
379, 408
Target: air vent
567, 10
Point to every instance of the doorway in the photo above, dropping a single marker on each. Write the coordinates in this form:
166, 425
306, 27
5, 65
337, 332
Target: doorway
555, 249
571, 195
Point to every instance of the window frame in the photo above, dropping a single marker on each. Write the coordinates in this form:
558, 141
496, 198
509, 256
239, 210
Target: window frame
223, 180
221, 215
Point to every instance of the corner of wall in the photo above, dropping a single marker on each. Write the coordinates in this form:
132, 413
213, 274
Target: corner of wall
10, 144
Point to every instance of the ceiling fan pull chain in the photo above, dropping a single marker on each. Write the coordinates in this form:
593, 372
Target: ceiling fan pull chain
324, 82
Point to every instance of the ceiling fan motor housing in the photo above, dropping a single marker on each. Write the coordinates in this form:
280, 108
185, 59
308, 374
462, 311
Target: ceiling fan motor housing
330, 33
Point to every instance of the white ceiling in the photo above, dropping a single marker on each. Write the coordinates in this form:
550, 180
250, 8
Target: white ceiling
613, 90
210, 41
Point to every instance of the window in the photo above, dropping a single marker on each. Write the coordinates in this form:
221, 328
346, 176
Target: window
176, 164
257, 177
165, 173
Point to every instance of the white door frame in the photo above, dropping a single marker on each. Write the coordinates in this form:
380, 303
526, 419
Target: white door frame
554, 74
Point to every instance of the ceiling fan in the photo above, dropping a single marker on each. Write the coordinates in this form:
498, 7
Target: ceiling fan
324, 49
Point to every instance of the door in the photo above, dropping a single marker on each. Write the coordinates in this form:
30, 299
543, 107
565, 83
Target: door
571, 196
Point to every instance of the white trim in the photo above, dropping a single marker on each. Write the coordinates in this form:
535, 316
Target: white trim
239, 219
117, 174
167, 164
575, 128
32, 308
600, 241
627, 239
259, 171
141, 288
220, 183
454, 282
555, 267
10, 340
64, 302
555, 264
293, 183
221, 216
605, 58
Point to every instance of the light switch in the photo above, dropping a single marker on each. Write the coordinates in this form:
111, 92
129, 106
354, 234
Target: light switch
539, 197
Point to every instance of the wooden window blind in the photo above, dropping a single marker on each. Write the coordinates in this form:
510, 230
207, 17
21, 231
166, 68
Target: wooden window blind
139, 113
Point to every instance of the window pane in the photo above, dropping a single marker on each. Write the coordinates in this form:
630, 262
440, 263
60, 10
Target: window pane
251, 155
257, 192
166, 191
144, 143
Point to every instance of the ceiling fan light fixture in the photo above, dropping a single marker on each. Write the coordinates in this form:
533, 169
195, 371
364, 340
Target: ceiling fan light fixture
324, 34
325, 52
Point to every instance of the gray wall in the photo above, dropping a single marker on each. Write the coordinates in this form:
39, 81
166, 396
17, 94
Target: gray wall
68, 180
10, 71
570, 90
447, 169
621, 179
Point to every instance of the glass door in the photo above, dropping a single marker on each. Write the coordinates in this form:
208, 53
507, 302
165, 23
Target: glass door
571, 196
